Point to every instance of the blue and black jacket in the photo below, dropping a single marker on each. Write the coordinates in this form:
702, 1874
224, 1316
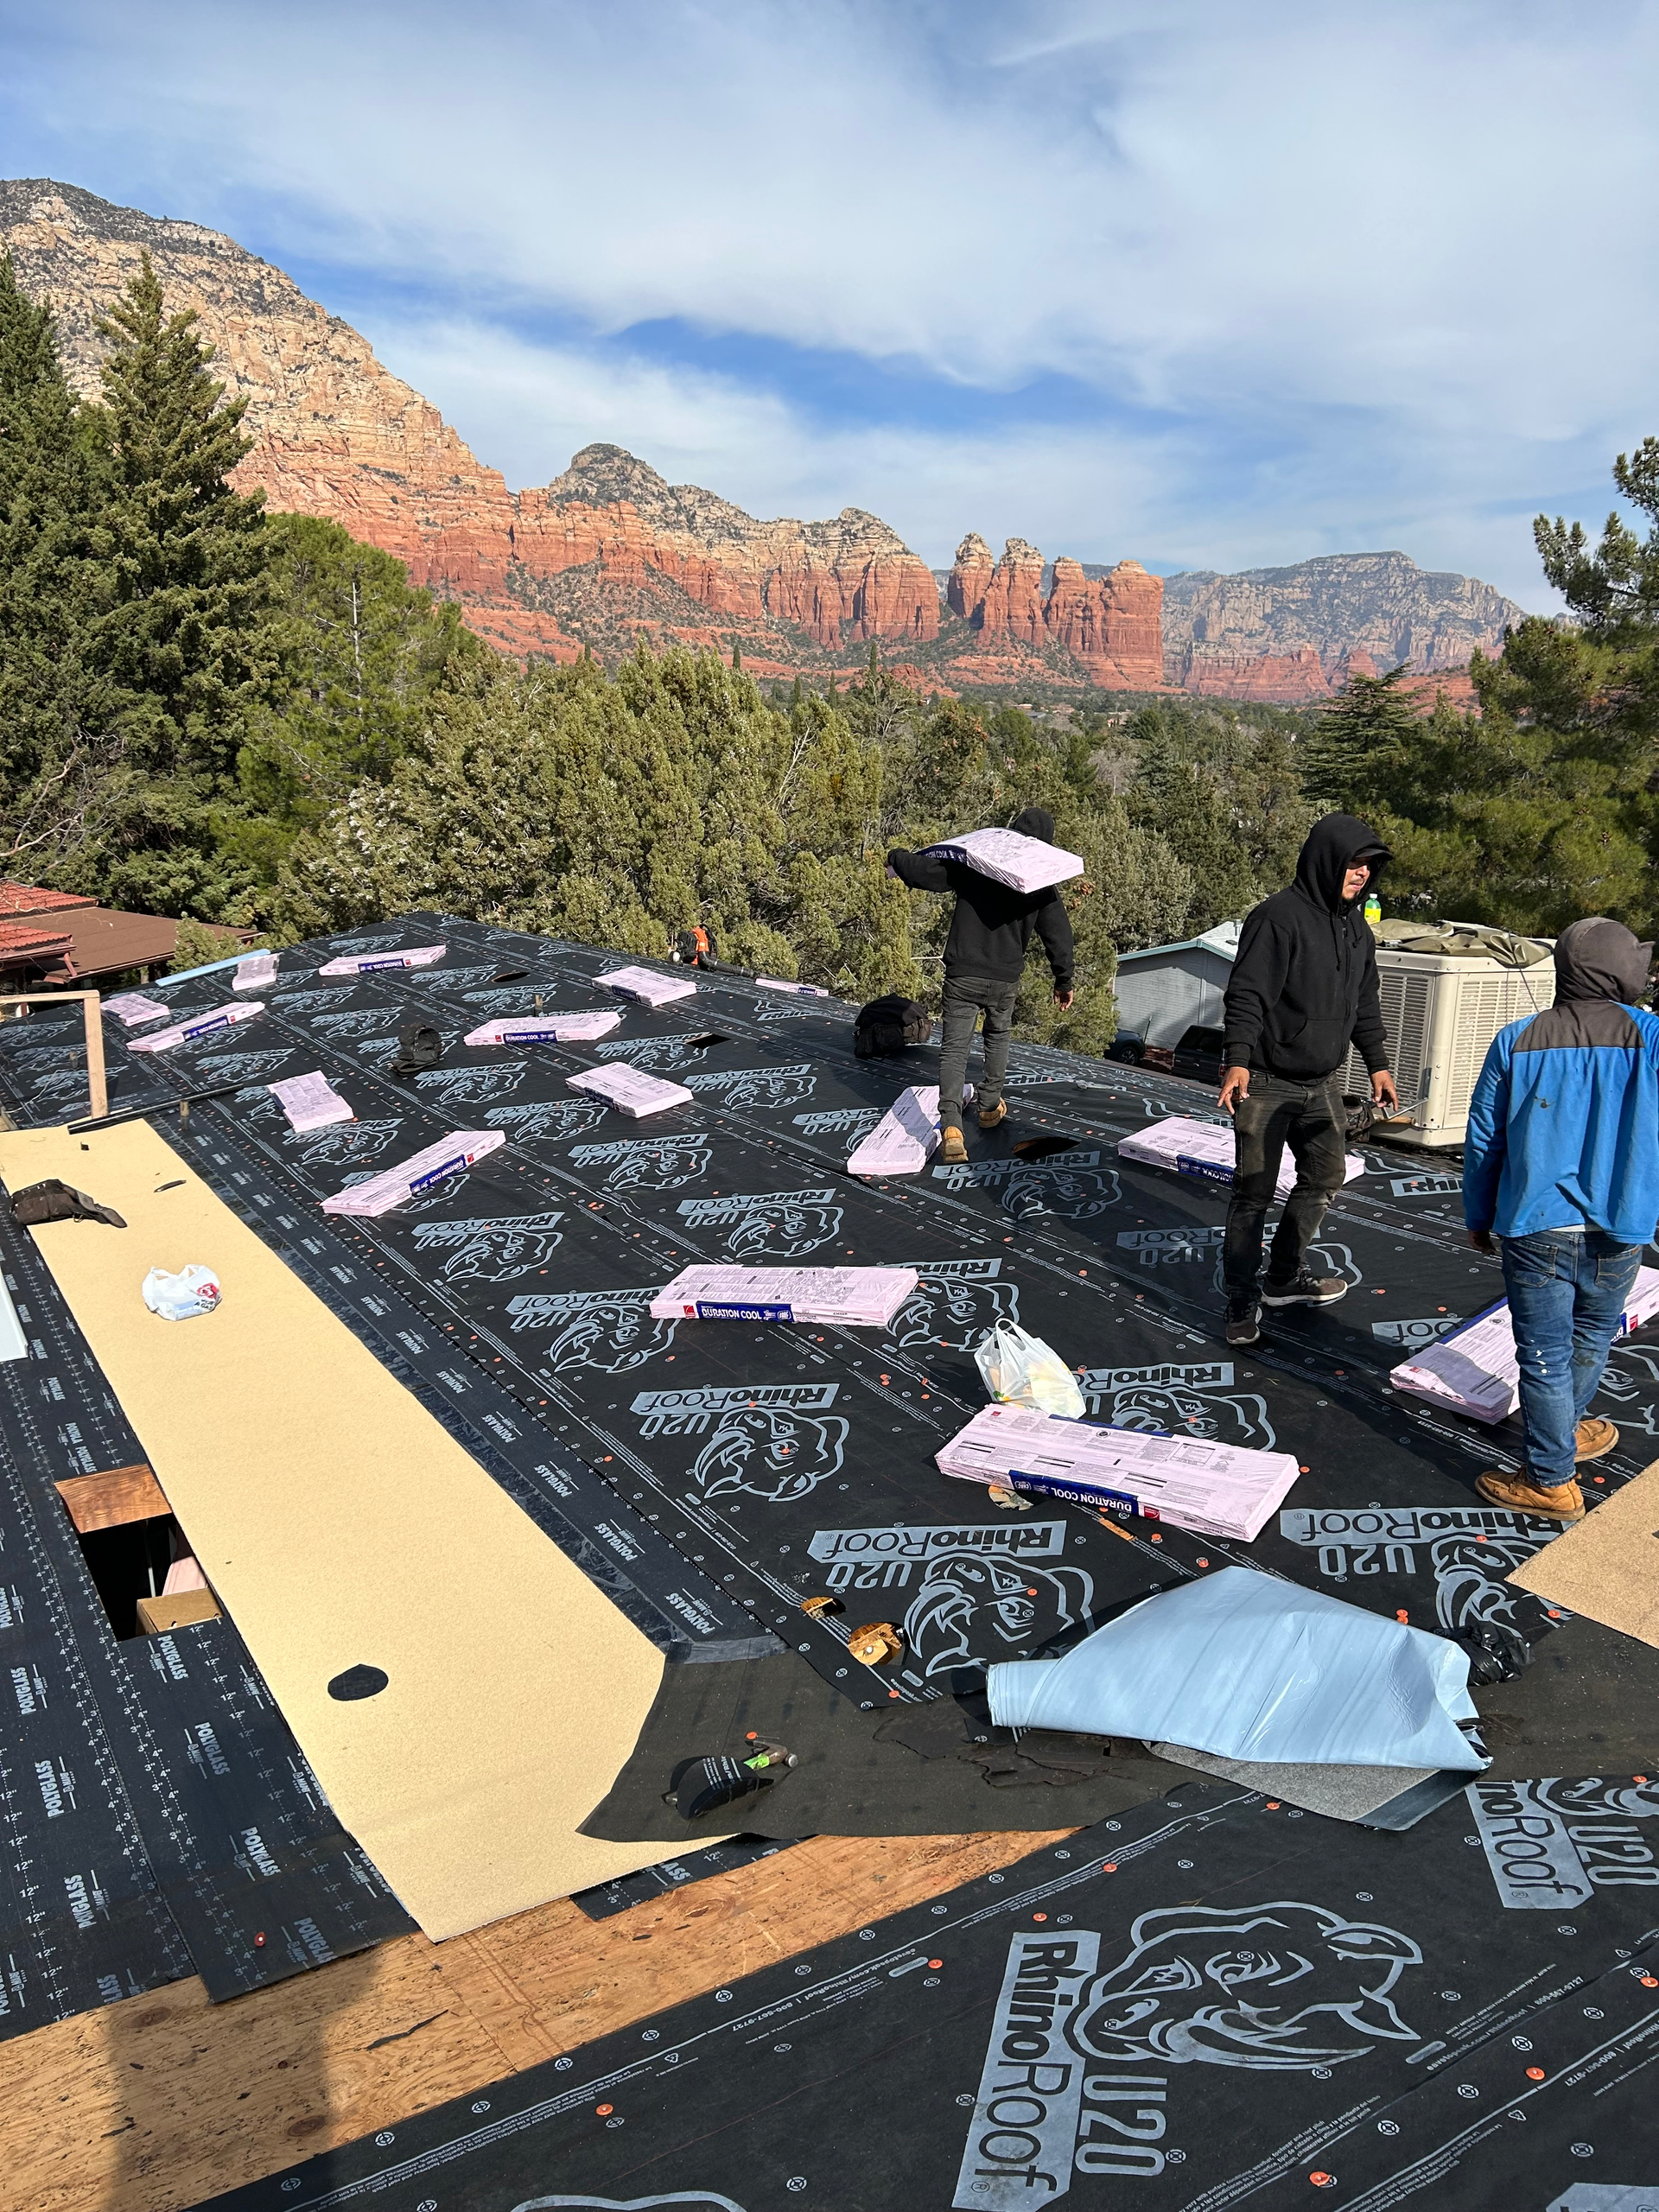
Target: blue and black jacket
1564, 1123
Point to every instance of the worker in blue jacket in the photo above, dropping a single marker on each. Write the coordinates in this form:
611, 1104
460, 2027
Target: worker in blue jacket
1562, 1164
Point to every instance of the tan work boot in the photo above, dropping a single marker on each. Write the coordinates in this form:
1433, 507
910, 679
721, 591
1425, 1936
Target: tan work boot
1594, 1439
991, 1117
952, 1150
1563, 1503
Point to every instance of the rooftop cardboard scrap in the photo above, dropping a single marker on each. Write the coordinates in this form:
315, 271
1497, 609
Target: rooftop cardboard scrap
1608, 1566
297, 1464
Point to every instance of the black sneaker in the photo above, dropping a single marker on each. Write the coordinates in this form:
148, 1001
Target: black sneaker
1304, 1289
1244, 1325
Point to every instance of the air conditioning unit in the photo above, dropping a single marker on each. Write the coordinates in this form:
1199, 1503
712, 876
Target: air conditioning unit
1441, 1012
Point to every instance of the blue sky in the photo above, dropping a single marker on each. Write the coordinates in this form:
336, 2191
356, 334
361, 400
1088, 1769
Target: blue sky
1206, 284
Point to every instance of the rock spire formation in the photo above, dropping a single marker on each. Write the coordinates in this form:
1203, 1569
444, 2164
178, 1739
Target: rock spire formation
609, 548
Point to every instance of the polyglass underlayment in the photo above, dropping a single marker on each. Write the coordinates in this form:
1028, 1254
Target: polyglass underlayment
1250, 1667
631, 1090
1213, 1489
641, 983
1205, 1149
199, 1025
380, 1193
13, 1344
547, 1028
903, 1139
861, 1298
131, 1009
371, 963
1023, 863
1475, 1372
310, 1102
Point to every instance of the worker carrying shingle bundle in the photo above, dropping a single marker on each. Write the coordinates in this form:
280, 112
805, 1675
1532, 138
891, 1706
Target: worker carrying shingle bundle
1561, 1167
984, 955
1302, 990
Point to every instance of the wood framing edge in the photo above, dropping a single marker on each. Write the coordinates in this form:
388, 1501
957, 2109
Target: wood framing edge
91, 1005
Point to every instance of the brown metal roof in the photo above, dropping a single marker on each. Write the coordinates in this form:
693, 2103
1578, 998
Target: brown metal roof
102, 941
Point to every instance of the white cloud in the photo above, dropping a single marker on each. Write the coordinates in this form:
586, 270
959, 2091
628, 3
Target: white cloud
1330, 275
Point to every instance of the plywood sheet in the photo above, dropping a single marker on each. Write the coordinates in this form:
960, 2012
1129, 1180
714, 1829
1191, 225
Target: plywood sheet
342, 1525
1606, 1567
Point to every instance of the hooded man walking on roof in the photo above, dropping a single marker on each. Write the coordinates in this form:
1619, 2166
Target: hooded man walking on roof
1562, 1165
1302, 990
984, 957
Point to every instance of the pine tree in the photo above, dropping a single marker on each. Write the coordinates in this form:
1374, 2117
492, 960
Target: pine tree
1357, 748
55, 749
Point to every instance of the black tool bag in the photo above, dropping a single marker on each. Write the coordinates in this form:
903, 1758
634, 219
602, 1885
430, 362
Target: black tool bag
57, 1201
887, 1026
419, 1046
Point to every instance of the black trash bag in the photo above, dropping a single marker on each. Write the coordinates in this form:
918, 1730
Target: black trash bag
702, 1785
1497, 1654
57, 1201
887, 1026
419, 1047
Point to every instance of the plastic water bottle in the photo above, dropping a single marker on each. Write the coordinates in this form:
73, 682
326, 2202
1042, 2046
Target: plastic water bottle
1373, 909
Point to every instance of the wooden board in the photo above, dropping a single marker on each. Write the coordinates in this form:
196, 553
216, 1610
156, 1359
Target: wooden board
176, 1609
154, 2104
1606, 1567
291, 1457
112, 1499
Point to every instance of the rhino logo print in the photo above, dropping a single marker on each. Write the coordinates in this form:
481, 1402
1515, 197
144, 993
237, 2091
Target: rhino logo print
1197, 1401
458, 980
319, 995
1079, 1192
661, 1053
360, 1021
490, 1251
972, 1609
471, 1086
547, 1120
649, 1163
245, 1067
1276, 1988
66, 1083
1325, 1257
353, 1141
771, 1452
607, 1332
1632, 1380
511, 999
746, 1087
781, 1228
48, 1056
953, 1304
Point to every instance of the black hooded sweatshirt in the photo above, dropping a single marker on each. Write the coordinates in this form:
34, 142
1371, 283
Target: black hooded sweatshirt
990, 931
1304, 985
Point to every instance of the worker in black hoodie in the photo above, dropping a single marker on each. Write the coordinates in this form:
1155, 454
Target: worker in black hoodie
1303, 989
984, 955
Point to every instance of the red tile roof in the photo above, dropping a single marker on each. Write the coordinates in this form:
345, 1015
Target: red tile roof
27, 898
27, 944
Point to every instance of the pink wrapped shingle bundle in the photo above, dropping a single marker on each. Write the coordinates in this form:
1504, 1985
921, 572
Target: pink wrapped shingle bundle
132, 1009
310, 1102
394, 1186
631, 1090
1215, 1490
257, 972
904, 1139
801, 990
648, 987
858, 1298
198, 1024
547, 1028
371, 963
1023, 863
1204, 1149
1474, 1371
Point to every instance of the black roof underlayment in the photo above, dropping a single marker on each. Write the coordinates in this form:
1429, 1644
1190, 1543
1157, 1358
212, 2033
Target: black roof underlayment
710, 1476
1214, 2000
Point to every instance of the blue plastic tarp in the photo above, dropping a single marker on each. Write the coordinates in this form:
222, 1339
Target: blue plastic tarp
1249, 1668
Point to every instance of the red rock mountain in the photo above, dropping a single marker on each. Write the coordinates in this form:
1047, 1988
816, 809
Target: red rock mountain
609, 548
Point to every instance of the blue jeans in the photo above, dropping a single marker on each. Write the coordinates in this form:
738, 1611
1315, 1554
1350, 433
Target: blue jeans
1566, 1294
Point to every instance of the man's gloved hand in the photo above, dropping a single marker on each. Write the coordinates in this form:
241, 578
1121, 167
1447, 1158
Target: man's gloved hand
1234, 1087
1383, 1093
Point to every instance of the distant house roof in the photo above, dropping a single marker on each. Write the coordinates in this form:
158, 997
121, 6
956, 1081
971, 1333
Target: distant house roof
81, 942
32, 944
1223, 939
29, 898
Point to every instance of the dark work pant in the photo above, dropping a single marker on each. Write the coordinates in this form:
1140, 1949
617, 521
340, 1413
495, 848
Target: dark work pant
1567, 1299
1311, 1118
966, 997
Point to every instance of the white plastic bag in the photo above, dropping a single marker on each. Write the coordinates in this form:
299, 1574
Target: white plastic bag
1021, 1370
195, 1289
